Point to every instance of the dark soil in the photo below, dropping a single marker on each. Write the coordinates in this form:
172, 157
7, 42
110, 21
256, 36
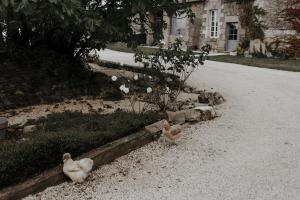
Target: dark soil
45, 77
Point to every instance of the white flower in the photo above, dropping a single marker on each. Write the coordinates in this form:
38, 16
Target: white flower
169, 79
162, 42
150, 77
126, 90
136, 77
149, 90
114, 78
122, 87
168, 90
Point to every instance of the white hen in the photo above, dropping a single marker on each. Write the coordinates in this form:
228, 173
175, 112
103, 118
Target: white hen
77, 171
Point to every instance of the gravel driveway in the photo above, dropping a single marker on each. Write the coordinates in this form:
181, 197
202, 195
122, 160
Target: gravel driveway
251, 152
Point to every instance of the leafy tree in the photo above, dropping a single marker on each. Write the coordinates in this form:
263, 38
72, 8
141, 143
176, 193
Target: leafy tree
74, 27
250, 19
43, 43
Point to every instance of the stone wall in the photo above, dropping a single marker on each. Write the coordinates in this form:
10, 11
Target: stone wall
274, 20
198, 33
228, 12
277, 28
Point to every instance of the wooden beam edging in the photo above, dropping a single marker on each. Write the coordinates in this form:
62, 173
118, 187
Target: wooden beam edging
102, 155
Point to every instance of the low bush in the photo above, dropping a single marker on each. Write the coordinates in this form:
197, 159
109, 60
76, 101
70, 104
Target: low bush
141, 83
66, 132
43, 76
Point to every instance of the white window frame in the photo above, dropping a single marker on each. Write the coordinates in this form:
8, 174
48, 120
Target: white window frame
213, 24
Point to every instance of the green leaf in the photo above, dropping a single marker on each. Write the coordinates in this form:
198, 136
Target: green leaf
23, 4
4, 2
53, 1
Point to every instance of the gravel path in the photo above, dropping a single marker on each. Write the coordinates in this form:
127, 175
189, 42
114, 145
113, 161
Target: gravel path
251, 152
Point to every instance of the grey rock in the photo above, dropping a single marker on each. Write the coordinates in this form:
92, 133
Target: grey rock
207, 112
211, 98
180, 117
29, 129
192, 115
153, 128
3, 126
176, 117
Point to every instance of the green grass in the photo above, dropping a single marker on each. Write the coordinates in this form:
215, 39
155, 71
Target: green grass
71, 132
119, 46
271, 63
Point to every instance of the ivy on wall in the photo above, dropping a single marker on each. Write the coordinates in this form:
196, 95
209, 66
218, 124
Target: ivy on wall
250, 18
288, 47
293, 14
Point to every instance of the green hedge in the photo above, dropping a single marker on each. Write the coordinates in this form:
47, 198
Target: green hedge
67, 132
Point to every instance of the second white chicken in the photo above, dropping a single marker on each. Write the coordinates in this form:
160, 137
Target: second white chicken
79, 170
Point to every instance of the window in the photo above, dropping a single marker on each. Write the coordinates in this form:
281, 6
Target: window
232, 31
214, 24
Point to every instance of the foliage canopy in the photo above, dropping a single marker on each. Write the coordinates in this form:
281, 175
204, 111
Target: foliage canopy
74, 27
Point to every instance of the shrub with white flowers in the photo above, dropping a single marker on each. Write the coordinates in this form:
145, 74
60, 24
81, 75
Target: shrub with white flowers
114, 78
168, 90
171, 68
133, 89
124, 89
149, 90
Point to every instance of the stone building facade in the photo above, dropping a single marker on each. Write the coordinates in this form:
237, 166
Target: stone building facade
274, 19
217, 23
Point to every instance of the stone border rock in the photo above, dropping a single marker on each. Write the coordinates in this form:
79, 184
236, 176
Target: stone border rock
102, 155
199, 113
212, 98
3, 126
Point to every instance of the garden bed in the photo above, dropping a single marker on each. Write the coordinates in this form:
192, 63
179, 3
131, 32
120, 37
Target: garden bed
128, 72
72, 132
102, 155
46, 77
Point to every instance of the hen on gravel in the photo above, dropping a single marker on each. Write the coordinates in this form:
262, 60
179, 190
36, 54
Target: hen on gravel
171, 133
79, 170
